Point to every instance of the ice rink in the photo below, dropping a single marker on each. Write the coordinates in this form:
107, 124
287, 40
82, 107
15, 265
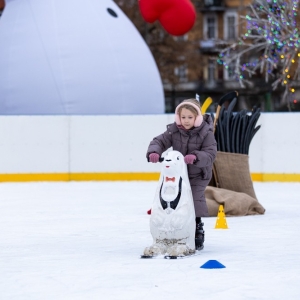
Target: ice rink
83, 240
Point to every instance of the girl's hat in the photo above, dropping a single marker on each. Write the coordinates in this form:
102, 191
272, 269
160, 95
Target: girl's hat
195, 104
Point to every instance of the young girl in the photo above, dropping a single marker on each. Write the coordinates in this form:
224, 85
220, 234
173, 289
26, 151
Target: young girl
192, 135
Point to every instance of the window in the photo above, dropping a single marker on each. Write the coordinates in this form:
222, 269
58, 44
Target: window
209, 2
230, 26
181, 72
229, 72
211, 70
210, 73
210, 27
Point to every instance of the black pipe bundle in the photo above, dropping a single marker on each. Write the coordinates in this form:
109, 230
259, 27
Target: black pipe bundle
235, 130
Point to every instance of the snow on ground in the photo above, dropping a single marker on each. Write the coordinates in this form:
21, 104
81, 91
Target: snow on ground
83, 240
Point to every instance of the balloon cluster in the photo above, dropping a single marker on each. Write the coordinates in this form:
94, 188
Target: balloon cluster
177, 17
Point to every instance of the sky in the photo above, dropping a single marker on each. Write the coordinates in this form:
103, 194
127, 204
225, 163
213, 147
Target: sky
83, 240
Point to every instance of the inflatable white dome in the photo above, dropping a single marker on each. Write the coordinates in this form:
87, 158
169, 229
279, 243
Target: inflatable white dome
70, 57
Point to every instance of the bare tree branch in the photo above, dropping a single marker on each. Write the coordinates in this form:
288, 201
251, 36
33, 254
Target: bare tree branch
269, 46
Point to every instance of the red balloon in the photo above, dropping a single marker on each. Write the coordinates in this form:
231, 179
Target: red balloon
177, 17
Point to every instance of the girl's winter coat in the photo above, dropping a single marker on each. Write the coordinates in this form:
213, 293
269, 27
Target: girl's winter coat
199, 141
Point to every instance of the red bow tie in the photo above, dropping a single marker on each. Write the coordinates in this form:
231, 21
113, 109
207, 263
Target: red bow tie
170, 179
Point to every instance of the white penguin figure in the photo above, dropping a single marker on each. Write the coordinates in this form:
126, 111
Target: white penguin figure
172, 221
68, 57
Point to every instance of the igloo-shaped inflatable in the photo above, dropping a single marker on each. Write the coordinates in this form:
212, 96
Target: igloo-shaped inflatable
66, 57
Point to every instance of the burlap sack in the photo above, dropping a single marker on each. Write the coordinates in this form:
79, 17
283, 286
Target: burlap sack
231, 172
235, 204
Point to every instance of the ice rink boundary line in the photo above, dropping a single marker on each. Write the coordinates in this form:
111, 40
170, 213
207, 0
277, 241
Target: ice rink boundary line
263, 177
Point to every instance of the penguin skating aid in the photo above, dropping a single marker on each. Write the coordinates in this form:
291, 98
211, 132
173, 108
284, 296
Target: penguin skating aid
172, 221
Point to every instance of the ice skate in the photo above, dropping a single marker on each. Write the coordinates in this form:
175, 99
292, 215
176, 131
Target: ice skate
199, 236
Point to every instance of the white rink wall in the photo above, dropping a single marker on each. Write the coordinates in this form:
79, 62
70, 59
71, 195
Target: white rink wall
276, 146
118, 144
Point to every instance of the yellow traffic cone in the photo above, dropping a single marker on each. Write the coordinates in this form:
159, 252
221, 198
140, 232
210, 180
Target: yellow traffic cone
221, 219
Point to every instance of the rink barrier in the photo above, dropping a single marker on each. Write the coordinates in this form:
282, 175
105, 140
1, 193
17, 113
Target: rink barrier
84, 148
125, 177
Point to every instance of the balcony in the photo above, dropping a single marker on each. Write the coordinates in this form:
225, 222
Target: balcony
219, 85
211, 45
212, 5
181, 86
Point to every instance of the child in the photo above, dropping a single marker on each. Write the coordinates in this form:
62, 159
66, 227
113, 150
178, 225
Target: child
192, 135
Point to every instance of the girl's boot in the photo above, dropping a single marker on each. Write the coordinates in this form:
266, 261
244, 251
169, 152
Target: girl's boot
199, 234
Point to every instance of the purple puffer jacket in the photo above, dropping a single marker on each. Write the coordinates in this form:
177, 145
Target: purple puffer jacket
199, 141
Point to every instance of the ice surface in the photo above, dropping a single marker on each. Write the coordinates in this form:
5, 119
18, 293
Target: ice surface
83, 240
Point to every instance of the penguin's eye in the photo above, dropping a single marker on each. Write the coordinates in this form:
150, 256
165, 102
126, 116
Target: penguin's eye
112, 12
177, 157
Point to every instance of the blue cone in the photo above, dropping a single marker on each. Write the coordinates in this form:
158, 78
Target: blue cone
212, 264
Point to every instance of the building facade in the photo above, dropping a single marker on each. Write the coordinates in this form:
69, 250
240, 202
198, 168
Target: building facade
218, 25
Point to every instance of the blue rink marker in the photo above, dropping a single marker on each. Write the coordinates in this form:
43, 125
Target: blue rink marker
212, 264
